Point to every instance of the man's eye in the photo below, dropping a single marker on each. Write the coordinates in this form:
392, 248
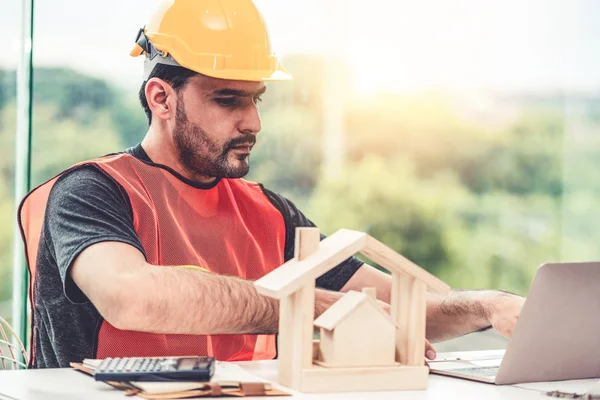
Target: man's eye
227, 101
258, 99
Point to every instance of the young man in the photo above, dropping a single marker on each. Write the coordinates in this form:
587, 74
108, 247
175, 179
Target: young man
152, 252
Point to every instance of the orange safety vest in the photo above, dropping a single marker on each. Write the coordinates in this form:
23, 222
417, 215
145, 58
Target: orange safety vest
231, 229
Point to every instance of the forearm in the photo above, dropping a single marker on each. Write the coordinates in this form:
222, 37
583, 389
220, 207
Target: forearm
180, 301
173, 300
455, 314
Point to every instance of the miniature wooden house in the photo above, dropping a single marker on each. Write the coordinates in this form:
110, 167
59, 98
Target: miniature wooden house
294, 285
356, 332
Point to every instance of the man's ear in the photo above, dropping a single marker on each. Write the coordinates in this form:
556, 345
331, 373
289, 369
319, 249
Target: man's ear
161, 99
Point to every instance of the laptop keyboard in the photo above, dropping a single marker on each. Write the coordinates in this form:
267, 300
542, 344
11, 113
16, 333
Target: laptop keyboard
478, 371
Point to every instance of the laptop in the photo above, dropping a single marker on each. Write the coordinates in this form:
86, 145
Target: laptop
557, 336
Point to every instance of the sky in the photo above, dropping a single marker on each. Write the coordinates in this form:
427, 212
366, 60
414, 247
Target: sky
394, 44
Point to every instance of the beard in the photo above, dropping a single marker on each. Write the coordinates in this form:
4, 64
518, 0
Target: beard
204, 156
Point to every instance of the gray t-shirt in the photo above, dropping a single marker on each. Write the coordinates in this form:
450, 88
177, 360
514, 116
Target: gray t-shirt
86, 207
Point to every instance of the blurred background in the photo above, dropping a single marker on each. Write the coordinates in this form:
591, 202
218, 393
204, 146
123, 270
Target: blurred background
462, 134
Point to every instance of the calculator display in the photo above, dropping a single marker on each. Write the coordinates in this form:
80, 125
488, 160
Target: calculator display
186, 363
191, 363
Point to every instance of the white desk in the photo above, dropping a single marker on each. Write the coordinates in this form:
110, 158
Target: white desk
67, 384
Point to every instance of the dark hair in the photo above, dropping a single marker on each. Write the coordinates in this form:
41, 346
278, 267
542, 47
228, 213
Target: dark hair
177, 77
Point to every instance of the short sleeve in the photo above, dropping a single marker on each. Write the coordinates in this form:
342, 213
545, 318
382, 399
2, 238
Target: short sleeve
85, 207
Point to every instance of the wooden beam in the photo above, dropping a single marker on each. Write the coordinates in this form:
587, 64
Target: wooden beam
295, 274
400, 312
285, 341
395, 313
306, 242
363, 379
296, 318
295, 340
416, 321
394, 262
306, 300
370, 291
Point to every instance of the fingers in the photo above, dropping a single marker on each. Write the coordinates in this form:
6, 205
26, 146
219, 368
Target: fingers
506, 326
429, 350
506, 314
508, 329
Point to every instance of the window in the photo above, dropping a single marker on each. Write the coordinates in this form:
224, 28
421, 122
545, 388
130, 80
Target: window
463, 135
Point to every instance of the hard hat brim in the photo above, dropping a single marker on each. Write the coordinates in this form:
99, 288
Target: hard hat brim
278, 74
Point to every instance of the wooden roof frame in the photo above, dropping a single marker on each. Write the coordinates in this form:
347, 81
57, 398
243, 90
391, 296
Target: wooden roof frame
293, 284
344, 243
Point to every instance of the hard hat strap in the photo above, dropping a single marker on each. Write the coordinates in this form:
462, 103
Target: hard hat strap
142, 40
153, 56
149, 64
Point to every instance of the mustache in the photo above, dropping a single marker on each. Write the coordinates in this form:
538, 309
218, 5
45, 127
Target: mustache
242, 141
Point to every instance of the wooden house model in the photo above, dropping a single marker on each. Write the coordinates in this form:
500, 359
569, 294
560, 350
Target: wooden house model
361, 347
356, 332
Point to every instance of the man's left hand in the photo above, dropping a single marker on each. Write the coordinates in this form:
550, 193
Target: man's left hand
503, 310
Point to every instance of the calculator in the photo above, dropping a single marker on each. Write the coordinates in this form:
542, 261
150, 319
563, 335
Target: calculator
152, 369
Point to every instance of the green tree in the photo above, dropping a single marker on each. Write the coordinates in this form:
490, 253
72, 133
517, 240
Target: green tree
65, 130
287, 157
2, 89
74, 95
388, 201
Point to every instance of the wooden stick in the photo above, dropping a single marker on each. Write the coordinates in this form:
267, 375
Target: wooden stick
395, 313
319, 379
394, 262
416, 322
401, 307
285, 341
306, 300
296, 318
306, 242
294, 274
371, 292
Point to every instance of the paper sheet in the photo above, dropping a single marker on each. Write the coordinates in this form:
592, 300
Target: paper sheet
580, 386
224, 372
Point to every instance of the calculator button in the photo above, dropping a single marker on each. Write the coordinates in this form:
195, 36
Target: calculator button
129, 365
113, 364
104, 364
153, 365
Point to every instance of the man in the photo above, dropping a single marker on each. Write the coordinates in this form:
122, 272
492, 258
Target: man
152, 252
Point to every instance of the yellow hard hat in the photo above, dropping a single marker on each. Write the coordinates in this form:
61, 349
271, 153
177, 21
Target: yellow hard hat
225, 39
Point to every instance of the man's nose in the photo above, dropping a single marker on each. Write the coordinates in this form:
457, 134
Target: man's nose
251, 122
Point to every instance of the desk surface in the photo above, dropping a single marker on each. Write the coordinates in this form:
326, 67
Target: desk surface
67, 384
